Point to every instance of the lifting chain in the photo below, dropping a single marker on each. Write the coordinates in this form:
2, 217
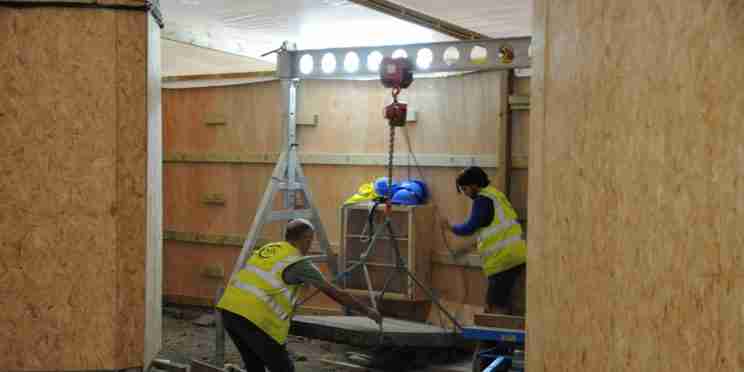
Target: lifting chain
391, 153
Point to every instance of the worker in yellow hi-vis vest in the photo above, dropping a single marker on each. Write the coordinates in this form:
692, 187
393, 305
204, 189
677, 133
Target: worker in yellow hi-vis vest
259, 302
500, 242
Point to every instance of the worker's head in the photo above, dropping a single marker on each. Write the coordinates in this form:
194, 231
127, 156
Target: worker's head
300, 233
471, 180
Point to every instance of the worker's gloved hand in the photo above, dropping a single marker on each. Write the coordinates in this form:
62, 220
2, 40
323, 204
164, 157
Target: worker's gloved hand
374, 315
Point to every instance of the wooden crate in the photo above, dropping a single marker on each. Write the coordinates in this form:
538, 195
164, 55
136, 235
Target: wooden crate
414, 230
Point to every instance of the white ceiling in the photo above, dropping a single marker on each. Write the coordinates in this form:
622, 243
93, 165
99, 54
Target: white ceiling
253, 27
494, 18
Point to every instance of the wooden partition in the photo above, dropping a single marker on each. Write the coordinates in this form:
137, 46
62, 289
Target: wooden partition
80, 161
221, 143
636, 192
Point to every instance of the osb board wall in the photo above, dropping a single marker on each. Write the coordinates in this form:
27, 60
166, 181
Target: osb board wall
636, 195
458, 115
73, 186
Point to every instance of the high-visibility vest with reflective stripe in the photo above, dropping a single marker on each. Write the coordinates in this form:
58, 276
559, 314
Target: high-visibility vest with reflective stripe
500, 244
258, 291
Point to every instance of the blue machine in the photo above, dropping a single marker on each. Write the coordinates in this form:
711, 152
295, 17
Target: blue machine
509, 344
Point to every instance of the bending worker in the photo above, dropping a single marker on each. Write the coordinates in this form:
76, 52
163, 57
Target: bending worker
258, 304
500, 244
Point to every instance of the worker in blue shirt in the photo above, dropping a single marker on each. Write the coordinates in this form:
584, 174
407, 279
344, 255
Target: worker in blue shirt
500, 242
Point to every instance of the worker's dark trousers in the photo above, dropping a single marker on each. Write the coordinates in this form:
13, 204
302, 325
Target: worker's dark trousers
257, 348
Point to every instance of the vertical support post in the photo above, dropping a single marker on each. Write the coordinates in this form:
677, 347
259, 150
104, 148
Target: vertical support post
289, 121
509, 134
289, 103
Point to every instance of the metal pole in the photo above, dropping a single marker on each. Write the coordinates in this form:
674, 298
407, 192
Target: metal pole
289, 92
289, 121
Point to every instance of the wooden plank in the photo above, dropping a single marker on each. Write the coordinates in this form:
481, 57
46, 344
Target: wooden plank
200, 366
520, 139
424, 160
188, 300
319, 311
363, 332
154, 222
362, 294
539, 312
131, 140
468, 260
123, 3
228, 76
499, 321
519, 193
522, 86
520, 162
422, 232
169, 366
232, 240
203, 238
520, 103
348, 366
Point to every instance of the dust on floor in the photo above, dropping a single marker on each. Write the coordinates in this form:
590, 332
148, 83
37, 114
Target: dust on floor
183, 341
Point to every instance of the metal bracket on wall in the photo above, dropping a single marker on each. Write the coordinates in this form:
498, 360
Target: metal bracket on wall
519, 103
314, 123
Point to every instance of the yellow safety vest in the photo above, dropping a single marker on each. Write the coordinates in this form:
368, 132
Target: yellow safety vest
258, 291
500, 244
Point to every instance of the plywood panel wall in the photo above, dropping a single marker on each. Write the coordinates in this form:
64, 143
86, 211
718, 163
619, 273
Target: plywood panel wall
456, 115
250, 117
636, 199
462, 115
73, 186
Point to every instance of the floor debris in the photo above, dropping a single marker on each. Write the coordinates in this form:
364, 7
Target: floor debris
184, 341
206, 320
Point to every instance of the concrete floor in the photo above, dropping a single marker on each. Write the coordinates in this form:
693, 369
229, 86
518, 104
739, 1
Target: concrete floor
184, 341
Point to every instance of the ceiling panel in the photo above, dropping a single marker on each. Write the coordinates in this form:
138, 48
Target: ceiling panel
255, 27
179, 59
251, 28
494, 18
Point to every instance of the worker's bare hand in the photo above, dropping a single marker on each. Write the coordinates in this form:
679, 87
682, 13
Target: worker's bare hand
374, 315
446, 225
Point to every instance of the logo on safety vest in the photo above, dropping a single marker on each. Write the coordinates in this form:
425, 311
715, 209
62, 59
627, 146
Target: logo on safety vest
267, 251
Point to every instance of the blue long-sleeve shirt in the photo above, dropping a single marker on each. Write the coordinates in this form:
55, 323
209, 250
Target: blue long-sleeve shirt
481, 215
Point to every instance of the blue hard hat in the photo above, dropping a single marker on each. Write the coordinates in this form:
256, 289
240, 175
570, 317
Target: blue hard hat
424, 188
406, 197
414, 187
381, 186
